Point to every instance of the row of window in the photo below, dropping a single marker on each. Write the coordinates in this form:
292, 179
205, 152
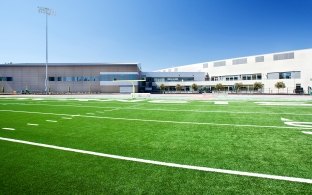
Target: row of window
237, 77
283, 56
74, 79
284, 75
108, 77
6, 78
173, 79
112, 77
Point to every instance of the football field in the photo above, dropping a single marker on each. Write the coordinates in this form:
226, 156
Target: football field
107, 146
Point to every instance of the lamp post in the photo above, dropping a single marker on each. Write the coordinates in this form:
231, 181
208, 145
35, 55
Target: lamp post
47, 12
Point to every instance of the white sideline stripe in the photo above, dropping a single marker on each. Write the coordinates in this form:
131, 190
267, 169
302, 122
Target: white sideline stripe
165, 110
307, 132
52, 121
175, 165
10, 129
31, 124
157, 121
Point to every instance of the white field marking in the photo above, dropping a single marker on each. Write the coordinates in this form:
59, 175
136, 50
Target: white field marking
103, 100
89, 113
221, 102
66, 118
307, 132
167, 164
285, 119
283, 104
165, 110
31, 124
51, 121
168, 101
304, 125
129, 100
37, 99
152, 120
82, 100
10, 129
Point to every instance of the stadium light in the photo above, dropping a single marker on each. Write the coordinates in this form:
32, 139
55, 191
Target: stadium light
47, 12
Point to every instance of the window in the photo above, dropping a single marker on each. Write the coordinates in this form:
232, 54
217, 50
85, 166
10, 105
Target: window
296, 74
220, 63
215, 78
59, 78
285, 75
239, 61
51, 78
6, 78
259, 59
205, 65
111, 77
284, 56
259, 77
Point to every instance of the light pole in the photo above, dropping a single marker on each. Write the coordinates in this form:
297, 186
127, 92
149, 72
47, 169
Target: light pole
47, 12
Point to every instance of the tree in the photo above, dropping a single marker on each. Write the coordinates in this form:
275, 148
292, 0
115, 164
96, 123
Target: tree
219, 87
258, 85
238, 86
280, 85
162, 88
194, 87
178, 87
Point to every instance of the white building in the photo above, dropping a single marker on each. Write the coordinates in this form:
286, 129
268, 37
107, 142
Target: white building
294, 68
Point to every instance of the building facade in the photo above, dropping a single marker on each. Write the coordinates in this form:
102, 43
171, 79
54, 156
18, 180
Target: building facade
293, 68
154, 79
68, 77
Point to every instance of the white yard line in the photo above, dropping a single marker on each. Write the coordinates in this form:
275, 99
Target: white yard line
153, 162
168, 110
67, 118
51, 121
31, 124
307, 132
9, 129
152, 120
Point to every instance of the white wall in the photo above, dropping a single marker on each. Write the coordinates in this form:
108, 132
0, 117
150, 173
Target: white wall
302, 62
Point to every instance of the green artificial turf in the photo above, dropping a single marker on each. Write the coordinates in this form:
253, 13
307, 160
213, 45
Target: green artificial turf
215, 137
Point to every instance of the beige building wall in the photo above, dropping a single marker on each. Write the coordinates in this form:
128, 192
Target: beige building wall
32, 77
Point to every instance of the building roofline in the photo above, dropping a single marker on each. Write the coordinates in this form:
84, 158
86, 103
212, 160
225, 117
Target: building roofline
212, 61
70, 64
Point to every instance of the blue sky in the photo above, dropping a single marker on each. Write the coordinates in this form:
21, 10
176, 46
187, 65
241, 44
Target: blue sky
156, 33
